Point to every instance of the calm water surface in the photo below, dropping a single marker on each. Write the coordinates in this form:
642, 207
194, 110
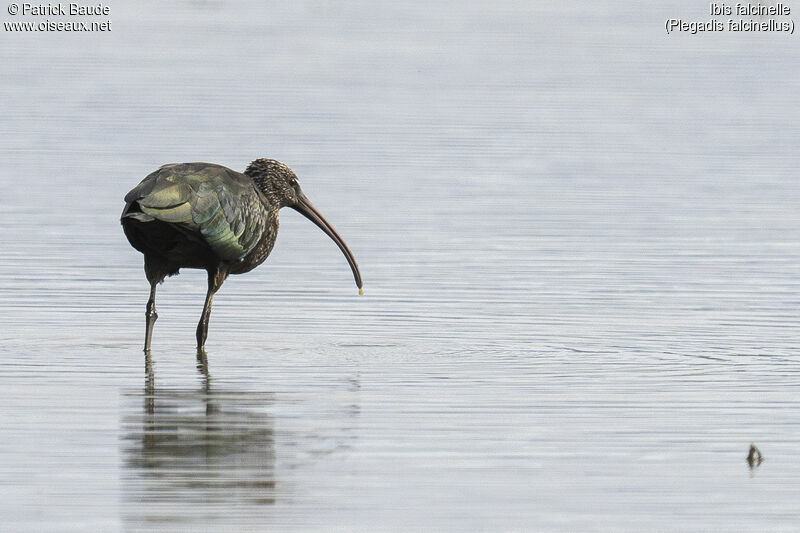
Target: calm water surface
579, 239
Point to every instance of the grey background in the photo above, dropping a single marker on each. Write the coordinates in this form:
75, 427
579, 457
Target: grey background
578, 235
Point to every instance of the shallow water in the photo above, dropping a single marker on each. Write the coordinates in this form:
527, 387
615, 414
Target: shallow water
579, 239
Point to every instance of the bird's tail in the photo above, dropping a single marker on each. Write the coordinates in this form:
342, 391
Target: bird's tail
134, 211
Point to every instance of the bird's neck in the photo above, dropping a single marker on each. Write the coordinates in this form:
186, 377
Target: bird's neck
269, 196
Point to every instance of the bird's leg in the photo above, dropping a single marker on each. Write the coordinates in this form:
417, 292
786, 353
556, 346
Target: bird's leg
202, 326
151, 316
149, 385
215, 279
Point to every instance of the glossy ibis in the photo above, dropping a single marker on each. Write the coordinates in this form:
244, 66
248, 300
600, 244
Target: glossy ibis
202, 215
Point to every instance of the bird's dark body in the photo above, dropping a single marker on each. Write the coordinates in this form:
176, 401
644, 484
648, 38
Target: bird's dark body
199, 215
203, 215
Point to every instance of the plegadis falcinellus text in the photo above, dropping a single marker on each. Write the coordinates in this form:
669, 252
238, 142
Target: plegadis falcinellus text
202, 215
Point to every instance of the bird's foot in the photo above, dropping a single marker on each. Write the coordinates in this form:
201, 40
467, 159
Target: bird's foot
202, 362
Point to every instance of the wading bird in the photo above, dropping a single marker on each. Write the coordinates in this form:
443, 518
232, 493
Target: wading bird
202, 215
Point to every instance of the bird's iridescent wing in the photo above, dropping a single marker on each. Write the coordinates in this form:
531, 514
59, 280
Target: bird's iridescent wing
207, 202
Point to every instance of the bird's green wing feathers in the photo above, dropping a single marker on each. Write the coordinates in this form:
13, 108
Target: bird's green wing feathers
210, 201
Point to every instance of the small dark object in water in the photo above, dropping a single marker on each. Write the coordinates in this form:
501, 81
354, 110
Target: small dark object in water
754, 458
202, 215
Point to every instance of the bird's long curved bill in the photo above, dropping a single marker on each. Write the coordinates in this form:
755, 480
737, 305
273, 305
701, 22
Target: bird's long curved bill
308, 210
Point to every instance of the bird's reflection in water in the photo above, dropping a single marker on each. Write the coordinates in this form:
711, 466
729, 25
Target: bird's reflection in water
185, 447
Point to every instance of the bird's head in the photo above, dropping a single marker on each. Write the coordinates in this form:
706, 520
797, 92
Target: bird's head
278, 183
